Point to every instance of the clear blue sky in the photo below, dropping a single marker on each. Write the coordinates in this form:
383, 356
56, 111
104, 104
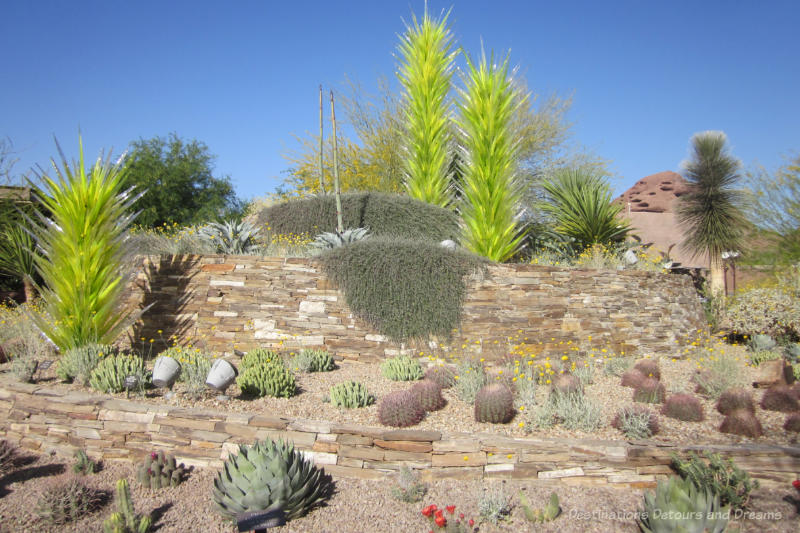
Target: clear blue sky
242, 76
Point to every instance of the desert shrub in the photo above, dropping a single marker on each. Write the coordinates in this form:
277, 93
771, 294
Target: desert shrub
779, 398
573, 411
22, 341
470, 377
312, 361
792, 423
195, 366
170, 240
721, 373
65, 499
444, 375
733, 399
76, 364
616, 366
525, 388
718, 475
774, 311
683, 407
259, 356
109, 375
494, 403
351, 395
383, 214
400, 409
402, 368
408, 488
650, 390
403, 288
267, 379
7, 454
649, 368
742, 422
636, 422
756, 358
494, 505
584, 372
632, 378
428, 394
566, 384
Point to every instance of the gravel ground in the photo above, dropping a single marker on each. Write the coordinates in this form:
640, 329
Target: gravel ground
189, 508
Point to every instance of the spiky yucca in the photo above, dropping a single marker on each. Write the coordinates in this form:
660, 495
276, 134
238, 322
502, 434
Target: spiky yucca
491, 190
425, 73
83, 244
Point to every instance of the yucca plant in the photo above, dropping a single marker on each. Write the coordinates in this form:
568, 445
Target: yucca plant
710, 213
579, 203
232, 237
83, 246
425, 73
17, 250
491, 191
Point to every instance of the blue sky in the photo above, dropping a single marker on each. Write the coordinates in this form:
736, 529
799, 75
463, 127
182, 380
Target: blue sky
242, 76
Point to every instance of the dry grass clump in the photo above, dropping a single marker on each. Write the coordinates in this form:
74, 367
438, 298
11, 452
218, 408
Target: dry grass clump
779, 398
733, 399
683, 407
742, 422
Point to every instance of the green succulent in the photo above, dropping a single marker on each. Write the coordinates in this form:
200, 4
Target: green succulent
402, 368
232, 237
259, 356
312, 361
77, 363
761, 343
267, 379
159, 470
350, 394
270, 476
679, 506
793, 352
110, 373
329, 239
125, 520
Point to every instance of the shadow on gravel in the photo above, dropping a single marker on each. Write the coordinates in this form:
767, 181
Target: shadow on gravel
25, 474
157, 513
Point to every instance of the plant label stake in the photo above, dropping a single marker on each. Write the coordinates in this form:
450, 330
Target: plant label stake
129, 383
260, 521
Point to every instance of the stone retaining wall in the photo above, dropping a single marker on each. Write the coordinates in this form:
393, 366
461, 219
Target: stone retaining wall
235, 303
43, 419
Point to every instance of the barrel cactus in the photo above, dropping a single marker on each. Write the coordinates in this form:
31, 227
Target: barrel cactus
400, 409
494, 403
429, 394
270, 476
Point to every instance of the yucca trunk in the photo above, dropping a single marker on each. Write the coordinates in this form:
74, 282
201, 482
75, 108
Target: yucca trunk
30, 291
491, 193
425, 74
83, 244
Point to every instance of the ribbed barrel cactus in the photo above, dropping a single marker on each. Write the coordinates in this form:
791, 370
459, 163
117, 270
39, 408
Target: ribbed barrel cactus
494, 403
268, 476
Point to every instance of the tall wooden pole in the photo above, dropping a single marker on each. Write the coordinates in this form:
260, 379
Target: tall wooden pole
340, 225
321, 174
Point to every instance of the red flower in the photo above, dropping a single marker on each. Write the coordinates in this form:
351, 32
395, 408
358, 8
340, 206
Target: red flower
440, 520
438, 513
471, 522
428, 510
451, 509
461, 516
796, 484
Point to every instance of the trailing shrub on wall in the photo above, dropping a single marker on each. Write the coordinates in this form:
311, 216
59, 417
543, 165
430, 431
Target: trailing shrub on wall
381, 213
405, 289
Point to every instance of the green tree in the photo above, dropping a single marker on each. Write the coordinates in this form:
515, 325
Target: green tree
578, 203
178, 183
490, 191
425, 72
711, 212
775, 208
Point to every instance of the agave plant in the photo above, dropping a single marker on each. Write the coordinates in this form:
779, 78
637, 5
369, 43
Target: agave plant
270, 476
679, 505
232, 237
17, 250
328, 240
491, 191
579, 203
425, 72
83, 251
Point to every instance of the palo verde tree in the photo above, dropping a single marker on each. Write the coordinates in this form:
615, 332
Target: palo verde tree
425, 72
710, 213
177, 179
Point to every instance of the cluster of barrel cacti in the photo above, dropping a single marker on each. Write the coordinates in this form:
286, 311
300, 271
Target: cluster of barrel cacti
160, 470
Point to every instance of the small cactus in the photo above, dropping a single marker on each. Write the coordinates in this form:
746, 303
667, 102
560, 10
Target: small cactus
550, 512
733, 399
792, 423
350, 394
444, 375
402, 368
160, 470
83, 465
650, 390
649, 368
125, 520
400, 409
632, 378
494, 403
683, 407
779, 398
566, 384
428, 394
742, 422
